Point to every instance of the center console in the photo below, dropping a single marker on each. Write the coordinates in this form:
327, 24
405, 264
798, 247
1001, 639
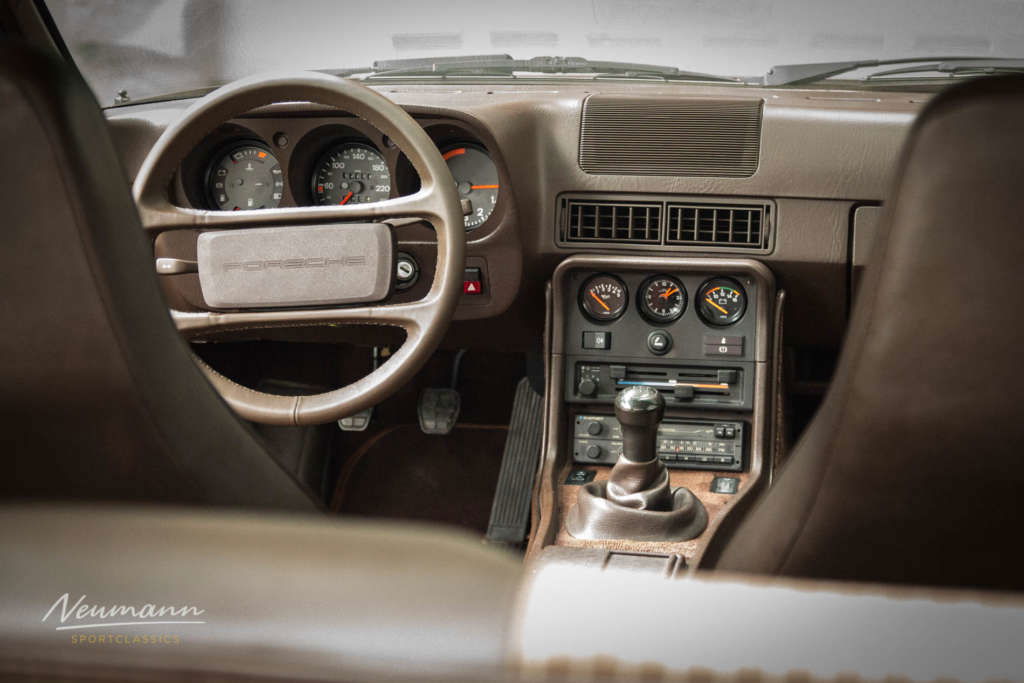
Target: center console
699, 333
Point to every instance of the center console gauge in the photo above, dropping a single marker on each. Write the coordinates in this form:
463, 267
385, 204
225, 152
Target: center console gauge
603, 298
721, 301
662, 299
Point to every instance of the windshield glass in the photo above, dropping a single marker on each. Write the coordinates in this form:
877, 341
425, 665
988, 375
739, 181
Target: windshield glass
149, 48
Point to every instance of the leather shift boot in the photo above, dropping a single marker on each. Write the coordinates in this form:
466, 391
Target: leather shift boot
636, 503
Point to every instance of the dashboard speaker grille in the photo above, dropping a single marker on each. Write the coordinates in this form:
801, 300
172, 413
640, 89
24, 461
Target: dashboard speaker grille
592, 221
716, 225
670, 136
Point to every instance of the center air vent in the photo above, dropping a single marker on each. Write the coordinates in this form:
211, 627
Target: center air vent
593, 221
708, 224
665, 221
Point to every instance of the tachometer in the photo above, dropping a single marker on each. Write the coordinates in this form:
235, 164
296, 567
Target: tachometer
662, 299
351, 173
246, 176
721, 301
603, 298
477, 180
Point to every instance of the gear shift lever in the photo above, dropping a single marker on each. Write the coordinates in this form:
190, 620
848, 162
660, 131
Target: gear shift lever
639, 410
639, 480
637, 501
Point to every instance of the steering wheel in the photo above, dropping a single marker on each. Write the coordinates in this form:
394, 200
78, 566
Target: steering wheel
436, 202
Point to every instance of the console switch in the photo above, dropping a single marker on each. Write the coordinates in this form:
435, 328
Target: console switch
599, 341
723, 345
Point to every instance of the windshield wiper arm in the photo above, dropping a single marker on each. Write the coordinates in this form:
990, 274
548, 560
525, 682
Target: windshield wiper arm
505, 65
962, 66
794, 74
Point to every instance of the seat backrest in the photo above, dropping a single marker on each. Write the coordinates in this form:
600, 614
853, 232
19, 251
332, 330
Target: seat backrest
912, 470
99, 396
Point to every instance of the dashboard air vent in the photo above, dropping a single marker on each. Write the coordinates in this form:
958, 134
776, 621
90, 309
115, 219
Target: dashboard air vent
595, 221
670, 136
716, 225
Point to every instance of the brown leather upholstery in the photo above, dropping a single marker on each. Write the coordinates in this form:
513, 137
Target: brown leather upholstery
99, 397
282, 596
912, 471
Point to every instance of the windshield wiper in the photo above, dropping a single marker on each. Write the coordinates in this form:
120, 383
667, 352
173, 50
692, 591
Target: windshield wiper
794, 74
505, 65
962, 66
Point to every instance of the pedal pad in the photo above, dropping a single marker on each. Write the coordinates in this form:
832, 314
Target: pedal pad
356, 423
439, 410
510, 511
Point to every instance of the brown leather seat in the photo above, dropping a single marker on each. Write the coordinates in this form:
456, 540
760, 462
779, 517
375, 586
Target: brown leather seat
912, 471
99, 396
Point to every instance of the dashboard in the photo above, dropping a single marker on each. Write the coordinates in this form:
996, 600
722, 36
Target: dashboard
805, 204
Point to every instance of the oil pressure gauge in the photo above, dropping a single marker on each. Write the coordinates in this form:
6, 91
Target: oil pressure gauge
662, 299
603, 298
721, 301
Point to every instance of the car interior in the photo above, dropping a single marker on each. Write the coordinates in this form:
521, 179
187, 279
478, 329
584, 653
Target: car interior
436, 371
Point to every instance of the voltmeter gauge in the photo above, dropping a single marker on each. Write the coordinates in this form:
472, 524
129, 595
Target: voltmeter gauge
721, 301
662, 299
603, 298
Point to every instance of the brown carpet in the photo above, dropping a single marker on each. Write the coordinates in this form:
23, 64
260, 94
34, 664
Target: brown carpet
403, 473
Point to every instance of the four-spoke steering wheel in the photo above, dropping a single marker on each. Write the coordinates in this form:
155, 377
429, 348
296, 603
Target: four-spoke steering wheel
424, 321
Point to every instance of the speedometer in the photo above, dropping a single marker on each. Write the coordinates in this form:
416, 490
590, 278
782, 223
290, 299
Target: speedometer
351, 173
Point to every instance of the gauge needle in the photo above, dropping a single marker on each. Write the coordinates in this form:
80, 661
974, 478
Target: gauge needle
669, 293
483, 187
347, 197
598, 300
716, 305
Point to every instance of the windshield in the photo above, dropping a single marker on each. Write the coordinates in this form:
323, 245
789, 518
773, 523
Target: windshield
138, 49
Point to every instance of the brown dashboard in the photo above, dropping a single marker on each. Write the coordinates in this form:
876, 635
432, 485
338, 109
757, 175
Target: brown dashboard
819, 156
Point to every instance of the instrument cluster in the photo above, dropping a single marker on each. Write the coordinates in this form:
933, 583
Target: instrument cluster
239, 169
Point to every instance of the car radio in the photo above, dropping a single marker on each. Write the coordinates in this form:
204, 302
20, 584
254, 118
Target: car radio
718, 445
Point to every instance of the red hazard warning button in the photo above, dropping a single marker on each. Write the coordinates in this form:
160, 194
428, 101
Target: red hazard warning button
472, 281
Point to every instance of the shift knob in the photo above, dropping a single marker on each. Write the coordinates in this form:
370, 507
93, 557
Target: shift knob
639, 410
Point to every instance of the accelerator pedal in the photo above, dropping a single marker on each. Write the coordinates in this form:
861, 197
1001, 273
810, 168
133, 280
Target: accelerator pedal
510, 512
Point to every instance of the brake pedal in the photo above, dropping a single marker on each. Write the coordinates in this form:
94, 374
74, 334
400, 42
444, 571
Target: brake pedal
439, 410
